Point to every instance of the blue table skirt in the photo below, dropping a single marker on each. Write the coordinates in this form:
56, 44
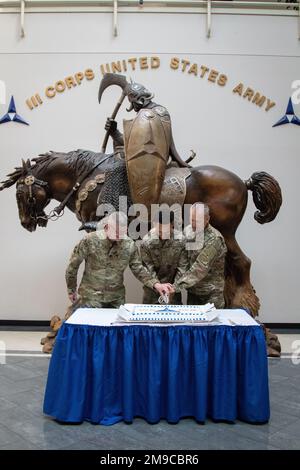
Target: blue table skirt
108, 374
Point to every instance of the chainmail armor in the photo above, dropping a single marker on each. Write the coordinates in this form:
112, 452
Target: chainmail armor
115, 185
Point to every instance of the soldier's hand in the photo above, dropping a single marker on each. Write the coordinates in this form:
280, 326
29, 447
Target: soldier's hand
164, 288
171, 288
159, 288
73, 297
110, 125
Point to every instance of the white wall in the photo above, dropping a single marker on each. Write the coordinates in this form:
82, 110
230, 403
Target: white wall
224, 129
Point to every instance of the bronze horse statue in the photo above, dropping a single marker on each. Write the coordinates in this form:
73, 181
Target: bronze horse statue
56, 175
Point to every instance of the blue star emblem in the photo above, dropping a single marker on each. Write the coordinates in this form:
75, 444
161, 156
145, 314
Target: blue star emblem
289, 117
12, 114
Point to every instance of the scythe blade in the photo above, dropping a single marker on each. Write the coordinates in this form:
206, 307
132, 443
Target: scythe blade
112, 79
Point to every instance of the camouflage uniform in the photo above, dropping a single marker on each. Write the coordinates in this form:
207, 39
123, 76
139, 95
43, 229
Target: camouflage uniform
204, 279
102, 283
165, 260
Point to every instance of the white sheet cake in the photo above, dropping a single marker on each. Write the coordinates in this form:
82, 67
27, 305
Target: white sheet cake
167, 313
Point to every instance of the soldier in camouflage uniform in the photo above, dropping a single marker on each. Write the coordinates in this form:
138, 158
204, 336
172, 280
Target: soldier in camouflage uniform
204, 279
163, 254
106, 253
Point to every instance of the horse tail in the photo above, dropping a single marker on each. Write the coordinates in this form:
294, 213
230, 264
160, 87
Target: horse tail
266, 194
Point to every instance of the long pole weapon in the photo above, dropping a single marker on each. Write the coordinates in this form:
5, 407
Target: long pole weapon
108, 80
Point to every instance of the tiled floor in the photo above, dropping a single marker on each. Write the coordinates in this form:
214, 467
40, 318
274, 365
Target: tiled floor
23, 426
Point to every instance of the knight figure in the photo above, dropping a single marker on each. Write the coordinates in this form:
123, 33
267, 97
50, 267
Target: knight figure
147, 143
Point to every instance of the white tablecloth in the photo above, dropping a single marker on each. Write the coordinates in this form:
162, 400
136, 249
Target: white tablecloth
109, 317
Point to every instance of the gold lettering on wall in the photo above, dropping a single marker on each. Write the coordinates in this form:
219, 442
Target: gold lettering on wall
143, 63
222, 80
194, 69
70, 81
155, 62
253, 96
270, 104
60, 86
213, 76
184, 65
174, 64
34, 101
249, 93
131, 64
116, 67
258, 99
197, 70
89, 74
238, 89
79, 77
50, 92
204, 70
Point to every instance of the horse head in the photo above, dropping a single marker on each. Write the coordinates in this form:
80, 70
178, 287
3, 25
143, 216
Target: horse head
32, 196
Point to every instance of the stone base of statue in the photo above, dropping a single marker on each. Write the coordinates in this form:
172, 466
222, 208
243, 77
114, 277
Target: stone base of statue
55, 323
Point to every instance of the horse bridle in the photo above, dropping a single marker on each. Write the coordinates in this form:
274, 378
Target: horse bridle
30, 181
58, 211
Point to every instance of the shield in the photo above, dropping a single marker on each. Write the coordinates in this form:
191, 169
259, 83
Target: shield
147, 141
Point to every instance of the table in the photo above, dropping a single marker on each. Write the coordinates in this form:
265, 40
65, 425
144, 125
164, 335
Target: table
106, 373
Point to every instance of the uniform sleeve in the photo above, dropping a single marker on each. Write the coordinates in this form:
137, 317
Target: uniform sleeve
183, 266
79, 254
200, 267
141, 270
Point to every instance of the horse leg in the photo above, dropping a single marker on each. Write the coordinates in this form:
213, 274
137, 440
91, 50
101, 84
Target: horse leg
239, 291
